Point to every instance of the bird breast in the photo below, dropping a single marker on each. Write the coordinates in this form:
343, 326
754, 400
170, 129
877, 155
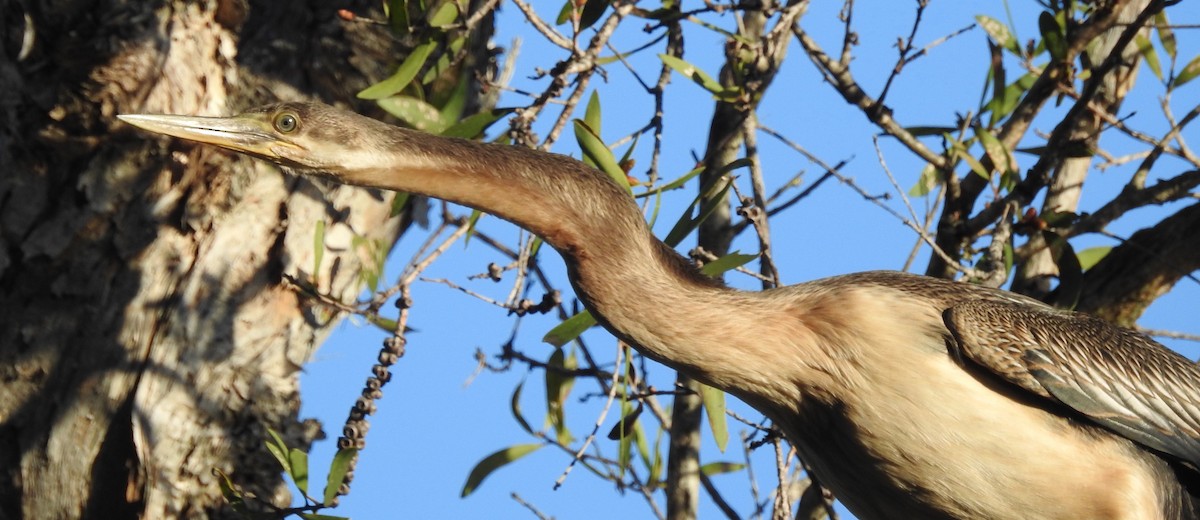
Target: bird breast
905, 432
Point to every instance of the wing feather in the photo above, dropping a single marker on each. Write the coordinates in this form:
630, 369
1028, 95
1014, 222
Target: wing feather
1118, 378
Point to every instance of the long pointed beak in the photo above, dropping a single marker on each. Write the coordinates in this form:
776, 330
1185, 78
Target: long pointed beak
236, 133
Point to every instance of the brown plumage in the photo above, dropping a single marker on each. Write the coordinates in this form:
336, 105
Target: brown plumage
910, 397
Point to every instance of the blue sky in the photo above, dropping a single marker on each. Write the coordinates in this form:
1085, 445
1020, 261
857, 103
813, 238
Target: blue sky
433, 427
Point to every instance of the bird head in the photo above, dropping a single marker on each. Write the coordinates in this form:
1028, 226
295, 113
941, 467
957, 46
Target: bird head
307, 138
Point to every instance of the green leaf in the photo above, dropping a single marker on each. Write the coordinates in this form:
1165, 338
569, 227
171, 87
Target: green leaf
732, 260
298, 460
1166, 36
515, 404
591, 115
930, 178
564, 13
570, 329
591, 118
673, 184
624, 453
279, 449
999, 33
398, 202
471, 222
1189, 72
714, 408
960, 151
445, 15
700, 77
1091, 256
473, 126
388, 325
493, 462
403, 76
318, 248
415, 112
996, 151
558, 387
717, 468
231, 493
1149, 54
337, 472
686, 224
455, 99
595, 149
1053, 35
397, 11
1003, 105
592, 11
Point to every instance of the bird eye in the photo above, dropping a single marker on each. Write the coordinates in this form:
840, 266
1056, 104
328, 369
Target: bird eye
286, 123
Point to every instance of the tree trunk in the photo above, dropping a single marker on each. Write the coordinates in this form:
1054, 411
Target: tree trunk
145, 336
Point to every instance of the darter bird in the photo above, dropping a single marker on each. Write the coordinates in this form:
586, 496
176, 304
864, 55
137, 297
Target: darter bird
909, 397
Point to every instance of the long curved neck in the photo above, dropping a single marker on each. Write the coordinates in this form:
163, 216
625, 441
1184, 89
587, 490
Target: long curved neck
638, 287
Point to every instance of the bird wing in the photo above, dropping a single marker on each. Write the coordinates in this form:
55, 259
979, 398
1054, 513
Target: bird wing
1119, 378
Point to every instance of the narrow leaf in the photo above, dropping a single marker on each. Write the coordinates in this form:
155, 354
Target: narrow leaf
686, 224
1149, 54
1053, 35
1166, 36
515, 404
714, 408
231, 493
318, 247
397, 11
1003, 105
403, 76
474, 126
564, 14
1091, 256
415, 112
961, 152
592, 11
931, 177
337, 473
494, 462
717, 468
570, 329
699, 77
444, 15
558, 386
398, 202
673, 184
595, 149
298, 460
279, 449
388, 325
1189, 72
995, 150
732, 260
999, 33
591, 115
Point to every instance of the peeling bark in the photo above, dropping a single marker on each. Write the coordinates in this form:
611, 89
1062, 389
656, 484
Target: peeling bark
145, 338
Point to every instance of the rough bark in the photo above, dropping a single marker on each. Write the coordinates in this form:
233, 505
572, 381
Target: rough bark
1143, 268
145, 337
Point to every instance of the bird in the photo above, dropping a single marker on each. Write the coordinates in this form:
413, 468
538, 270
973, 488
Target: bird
907, 396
